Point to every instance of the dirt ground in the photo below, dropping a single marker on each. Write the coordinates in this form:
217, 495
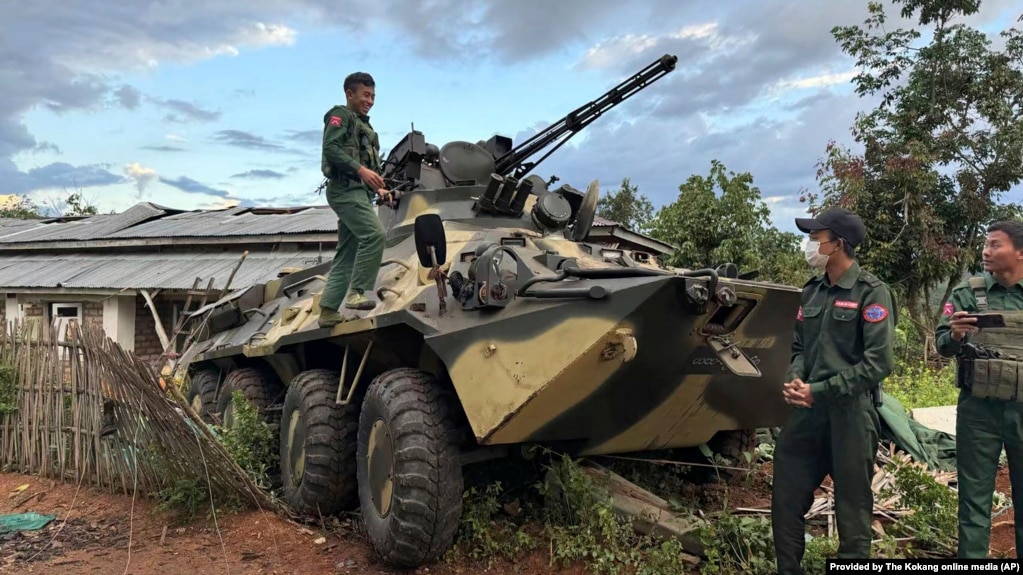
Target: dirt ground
103, 534
1003, 534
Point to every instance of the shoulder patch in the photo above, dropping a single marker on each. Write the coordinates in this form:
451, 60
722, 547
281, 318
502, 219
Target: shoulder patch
335, 121
949, 309
875, 312
799, 314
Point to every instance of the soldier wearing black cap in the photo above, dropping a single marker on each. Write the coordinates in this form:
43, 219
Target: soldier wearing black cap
841, 351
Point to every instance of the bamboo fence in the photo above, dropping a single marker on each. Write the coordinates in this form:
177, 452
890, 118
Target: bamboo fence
85, 410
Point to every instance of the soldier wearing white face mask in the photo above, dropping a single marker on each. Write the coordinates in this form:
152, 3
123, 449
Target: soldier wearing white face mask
841, 351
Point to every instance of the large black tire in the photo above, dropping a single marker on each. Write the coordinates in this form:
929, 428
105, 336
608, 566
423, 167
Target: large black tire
318, 445
202, 394
259, 386
733, 445
410, 475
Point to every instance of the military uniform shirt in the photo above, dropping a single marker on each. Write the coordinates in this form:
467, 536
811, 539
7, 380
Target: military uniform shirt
343, 150
842, 344
999, 297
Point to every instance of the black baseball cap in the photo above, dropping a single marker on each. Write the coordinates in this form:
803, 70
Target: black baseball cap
844, 223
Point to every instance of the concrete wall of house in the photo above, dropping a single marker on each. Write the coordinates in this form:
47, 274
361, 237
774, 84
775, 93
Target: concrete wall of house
114, 315
118, 316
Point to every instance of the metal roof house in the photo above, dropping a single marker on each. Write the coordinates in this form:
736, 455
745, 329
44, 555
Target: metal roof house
106, 269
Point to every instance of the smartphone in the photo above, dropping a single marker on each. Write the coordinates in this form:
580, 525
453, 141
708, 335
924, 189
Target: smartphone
987, 320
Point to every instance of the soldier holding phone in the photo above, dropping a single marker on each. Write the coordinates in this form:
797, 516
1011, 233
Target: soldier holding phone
982, 326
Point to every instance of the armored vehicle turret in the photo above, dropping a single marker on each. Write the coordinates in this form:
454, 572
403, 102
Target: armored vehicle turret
498, 323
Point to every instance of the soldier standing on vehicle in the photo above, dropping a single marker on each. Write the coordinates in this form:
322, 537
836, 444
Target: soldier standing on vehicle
842, 350
989, 415
351, 164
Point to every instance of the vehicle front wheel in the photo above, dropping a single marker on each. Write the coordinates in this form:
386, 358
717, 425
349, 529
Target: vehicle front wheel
202, 393
410, 476
318, 445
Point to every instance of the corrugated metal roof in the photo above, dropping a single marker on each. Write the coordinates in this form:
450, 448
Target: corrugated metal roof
234, 222
150, 221
90, 228
10, 226
147, 271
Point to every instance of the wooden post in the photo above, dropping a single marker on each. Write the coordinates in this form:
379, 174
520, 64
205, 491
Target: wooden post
156, 318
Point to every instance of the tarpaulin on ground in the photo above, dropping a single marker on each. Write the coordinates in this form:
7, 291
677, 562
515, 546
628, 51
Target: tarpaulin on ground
24, 521
934, 448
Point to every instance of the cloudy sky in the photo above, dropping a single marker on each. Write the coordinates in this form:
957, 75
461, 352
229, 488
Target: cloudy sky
198, 104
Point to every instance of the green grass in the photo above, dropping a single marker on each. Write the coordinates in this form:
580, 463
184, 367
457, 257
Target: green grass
920, 386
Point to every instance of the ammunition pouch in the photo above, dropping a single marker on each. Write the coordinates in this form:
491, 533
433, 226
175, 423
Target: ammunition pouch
987, 374
989, 363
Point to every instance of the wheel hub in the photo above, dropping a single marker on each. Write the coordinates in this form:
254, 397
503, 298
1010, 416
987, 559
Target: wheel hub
296, 437
381, 467
228, 416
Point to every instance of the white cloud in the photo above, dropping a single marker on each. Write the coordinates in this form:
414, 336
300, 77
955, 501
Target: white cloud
218, 204
142, 176
618, 49
818, 81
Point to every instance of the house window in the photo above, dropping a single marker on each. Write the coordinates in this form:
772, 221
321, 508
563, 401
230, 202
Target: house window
62, 314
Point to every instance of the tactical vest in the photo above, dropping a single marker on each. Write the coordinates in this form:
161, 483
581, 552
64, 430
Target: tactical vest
363, 146
1001, 377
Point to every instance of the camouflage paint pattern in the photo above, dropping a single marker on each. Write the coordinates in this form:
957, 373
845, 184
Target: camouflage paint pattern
629, 372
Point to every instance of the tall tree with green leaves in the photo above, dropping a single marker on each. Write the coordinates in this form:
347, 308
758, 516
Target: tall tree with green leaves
721, 218
940, 149
627, 207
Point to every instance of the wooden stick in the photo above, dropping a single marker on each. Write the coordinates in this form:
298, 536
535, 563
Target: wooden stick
164, 340
230, 278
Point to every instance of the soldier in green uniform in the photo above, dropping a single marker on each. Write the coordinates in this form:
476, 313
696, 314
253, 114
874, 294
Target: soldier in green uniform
989, 414
351, 164
842, 350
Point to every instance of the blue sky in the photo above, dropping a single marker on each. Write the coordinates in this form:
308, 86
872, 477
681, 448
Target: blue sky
195, 104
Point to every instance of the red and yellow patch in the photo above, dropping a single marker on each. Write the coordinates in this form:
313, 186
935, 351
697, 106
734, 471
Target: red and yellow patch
335, 121
949, 309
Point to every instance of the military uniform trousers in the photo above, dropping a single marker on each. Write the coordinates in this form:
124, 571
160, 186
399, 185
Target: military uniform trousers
360, 244
838, 438
983, 427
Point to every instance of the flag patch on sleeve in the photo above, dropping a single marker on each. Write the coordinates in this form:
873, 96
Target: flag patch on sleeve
875, 312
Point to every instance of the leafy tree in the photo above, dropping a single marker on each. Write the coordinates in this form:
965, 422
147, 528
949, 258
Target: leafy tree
19, 207
76, 205
940, 149
627, 207
710, 229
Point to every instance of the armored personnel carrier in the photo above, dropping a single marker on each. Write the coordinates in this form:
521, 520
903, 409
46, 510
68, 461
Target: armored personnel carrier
497, 324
